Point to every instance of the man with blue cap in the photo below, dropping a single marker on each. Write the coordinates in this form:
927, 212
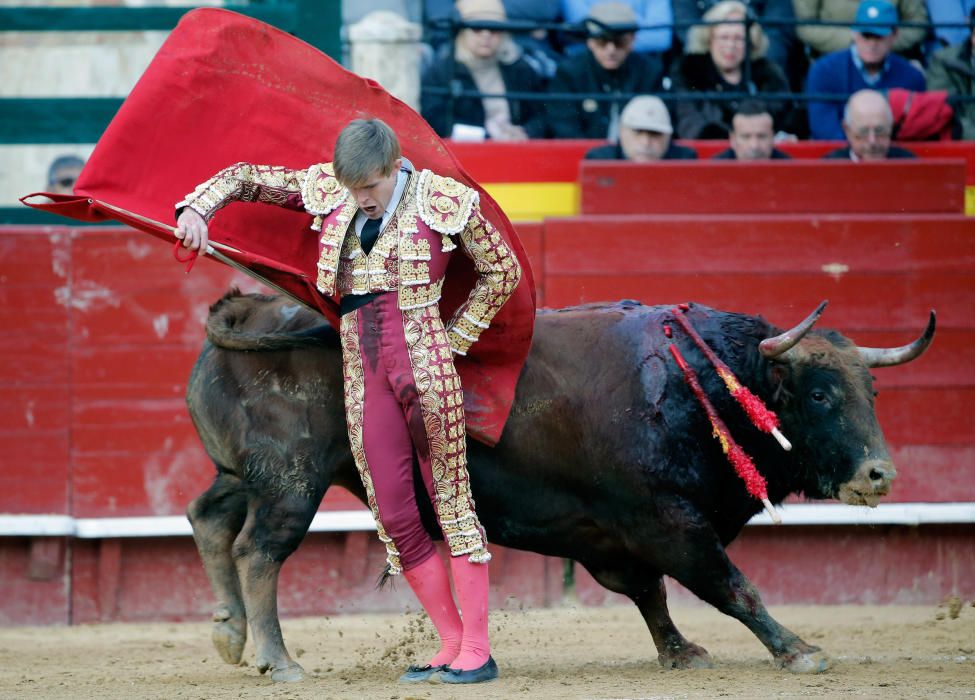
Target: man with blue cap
868, 63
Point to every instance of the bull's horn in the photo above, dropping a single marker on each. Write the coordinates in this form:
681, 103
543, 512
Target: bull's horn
773, 347
886, 357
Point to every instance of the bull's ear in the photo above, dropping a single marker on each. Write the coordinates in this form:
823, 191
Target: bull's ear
778, 373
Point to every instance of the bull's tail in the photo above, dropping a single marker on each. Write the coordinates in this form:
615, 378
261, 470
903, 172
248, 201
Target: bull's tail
257, 322
385, 579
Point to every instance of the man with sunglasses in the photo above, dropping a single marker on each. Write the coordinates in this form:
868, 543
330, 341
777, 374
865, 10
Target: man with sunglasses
869, 63
608, 68
868, 124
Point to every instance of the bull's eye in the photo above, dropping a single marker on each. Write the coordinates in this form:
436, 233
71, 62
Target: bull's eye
818, 396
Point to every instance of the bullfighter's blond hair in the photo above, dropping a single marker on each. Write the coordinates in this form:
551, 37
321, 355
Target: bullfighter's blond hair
699, 36
363, 147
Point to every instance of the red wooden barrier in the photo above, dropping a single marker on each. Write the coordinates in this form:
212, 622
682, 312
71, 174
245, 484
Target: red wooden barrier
558, 160
828, 187
882, 275
823, 566
101, 329
162, 578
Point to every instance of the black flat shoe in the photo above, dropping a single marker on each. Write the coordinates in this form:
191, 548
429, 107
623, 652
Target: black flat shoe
487, 672
418, 674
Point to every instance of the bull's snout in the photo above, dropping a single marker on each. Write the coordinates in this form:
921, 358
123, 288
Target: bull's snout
871, 481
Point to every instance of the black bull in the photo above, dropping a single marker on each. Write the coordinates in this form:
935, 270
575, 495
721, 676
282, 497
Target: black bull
606, 459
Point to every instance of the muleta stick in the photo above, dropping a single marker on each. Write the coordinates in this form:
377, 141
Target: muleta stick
744, 467
761, 416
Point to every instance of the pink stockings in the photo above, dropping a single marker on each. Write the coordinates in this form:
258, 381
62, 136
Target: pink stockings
463, 645
471, 583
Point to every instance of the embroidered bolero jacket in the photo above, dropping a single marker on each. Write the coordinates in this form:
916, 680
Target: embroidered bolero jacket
434, 216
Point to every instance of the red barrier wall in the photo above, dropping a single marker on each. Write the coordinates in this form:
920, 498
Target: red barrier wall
558, 161
882, 275
773, 187
102, 327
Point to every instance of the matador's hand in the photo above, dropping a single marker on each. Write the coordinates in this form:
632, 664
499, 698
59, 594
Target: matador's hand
192, 229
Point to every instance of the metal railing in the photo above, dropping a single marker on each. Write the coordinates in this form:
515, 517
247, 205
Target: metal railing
37, 120
455, 91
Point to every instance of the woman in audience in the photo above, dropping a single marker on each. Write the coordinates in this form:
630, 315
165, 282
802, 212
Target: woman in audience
484, 59
714, 61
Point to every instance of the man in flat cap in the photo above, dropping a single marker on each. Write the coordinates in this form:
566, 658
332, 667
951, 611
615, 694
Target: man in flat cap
609, 67
646, 135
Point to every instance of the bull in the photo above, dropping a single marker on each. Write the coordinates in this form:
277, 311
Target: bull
606, 459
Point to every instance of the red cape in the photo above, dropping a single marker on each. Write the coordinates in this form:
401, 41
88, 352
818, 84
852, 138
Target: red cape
225, 88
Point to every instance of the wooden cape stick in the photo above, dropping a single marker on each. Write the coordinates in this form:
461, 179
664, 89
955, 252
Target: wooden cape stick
213, 249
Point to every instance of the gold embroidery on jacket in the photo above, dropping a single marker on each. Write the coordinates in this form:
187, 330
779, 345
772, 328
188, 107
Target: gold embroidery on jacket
332, 242
420, 295
244, 182
321, 191
444, 204
498, 273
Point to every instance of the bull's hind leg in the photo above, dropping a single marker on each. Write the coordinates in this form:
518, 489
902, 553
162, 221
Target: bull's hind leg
217, 516
273, 530
646, 589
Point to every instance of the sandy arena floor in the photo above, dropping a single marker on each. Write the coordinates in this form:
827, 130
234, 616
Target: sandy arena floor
880, 652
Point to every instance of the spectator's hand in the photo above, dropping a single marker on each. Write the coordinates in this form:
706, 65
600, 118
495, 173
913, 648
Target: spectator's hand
192, 229
512, 132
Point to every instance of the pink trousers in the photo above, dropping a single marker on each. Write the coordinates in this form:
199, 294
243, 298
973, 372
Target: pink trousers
403, 399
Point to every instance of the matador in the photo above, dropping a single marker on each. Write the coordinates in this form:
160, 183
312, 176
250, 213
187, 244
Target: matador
386, 235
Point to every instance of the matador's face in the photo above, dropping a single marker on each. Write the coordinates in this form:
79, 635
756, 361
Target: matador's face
374, 193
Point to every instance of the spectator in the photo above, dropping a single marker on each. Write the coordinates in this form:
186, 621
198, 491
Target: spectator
647, 13
826, 39
645, 135
436, 12
867, 63
752, 135
540, 46
950, 12
609, 67
953, 69
714, 62
868, 124
486, 60
782, 40
63, 173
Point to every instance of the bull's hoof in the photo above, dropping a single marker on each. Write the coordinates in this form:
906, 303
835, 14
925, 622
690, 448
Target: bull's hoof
228, 638
811, 662
690, 656
290, 674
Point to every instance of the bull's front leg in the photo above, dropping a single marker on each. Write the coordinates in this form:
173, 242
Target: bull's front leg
697, 559
737, 597
270, 535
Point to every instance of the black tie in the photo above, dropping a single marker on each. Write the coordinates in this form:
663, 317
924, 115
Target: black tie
370, 232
